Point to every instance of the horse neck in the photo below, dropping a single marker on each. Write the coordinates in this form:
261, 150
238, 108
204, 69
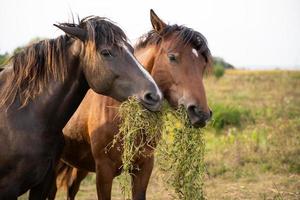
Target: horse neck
60, 99
67, 95
146, 56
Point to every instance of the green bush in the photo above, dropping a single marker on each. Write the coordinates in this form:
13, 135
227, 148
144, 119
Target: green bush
219, 71
229, 116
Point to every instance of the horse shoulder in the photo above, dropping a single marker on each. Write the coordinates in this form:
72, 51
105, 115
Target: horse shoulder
103, 113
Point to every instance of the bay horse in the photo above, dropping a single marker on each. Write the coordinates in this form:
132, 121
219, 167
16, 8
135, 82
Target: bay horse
42, 87
176, 57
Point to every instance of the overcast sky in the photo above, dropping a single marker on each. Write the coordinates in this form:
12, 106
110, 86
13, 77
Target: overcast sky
246, 33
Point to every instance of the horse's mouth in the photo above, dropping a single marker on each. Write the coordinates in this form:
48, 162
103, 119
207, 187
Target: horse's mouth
151, 107
199, 121
199, 124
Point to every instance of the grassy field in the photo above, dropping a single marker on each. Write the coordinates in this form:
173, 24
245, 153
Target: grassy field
252, 145
259, 157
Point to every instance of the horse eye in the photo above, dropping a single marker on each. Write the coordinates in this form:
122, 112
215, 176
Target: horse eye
172, 57
106, 53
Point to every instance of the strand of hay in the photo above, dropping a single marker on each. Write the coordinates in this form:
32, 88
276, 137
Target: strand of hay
180, 152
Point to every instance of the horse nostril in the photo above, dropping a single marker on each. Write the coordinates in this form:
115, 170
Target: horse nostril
197, 117
195, 110
210, 113
151, 101
151, 98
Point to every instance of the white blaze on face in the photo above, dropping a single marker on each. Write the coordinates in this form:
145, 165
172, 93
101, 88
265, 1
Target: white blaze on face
195, 52
145, 72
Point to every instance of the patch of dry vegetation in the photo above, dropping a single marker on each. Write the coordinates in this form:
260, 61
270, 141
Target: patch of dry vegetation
180, 152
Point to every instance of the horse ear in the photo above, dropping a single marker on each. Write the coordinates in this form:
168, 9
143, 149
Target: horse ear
73, 31
157, 24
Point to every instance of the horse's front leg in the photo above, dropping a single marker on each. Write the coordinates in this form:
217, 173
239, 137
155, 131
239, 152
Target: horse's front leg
104, 177
140, 178
74, 186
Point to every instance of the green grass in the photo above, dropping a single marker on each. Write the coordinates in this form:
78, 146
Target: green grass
229, 116
255, 133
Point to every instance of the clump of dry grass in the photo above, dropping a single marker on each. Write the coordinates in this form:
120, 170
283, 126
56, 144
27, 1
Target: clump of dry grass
181, 155
180, 152
139, 127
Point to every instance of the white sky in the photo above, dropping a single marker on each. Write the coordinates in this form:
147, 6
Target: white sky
246, 33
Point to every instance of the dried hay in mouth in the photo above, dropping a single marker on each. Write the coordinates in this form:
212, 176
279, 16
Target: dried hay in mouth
139, 128
180, 150
180, 155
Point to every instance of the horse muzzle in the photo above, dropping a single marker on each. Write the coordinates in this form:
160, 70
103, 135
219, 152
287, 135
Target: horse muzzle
198, 118
152, 101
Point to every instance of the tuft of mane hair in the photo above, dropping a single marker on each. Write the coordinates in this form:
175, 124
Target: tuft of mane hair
100, 30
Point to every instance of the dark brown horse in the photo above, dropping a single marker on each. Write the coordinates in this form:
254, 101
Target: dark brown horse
176, 57
41, 89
